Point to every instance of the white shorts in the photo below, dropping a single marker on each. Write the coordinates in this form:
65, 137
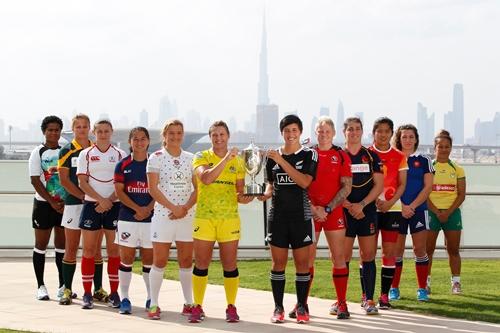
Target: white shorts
165, 230
71, 216
134, 234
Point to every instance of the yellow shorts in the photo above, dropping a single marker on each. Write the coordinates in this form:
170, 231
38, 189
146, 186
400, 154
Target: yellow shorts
220, 230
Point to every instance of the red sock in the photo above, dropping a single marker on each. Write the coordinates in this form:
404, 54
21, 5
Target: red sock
88, 270
340, 277
397, 274
113, 265
311, 271
422, 268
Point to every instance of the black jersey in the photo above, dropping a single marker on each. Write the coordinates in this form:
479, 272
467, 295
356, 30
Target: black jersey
290, 200
363, 165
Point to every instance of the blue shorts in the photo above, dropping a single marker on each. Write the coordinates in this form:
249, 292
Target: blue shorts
418, 222
92, 220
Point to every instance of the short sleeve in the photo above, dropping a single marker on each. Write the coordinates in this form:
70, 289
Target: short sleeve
460, 172
64, 160
376, 162
153, 165
119, 176
427, 165
404, 163
269, 170
81, 165
34, 163
311, 163
199, 159
345, 170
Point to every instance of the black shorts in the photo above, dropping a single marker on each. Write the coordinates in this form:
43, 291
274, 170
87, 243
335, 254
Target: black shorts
290, 233
418, 222
44, 216
366, 226
389, 221
92, 220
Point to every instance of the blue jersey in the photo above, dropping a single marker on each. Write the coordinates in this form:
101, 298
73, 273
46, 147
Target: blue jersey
363, 165
132, 174
418, 166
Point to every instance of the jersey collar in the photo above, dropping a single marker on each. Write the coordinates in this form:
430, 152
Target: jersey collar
295, 153
381, 151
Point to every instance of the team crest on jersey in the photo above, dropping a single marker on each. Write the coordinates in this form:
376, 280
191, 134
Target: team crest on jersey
210, 164
299, 165
112, 159
95, 158
125, 235
364, 159
416, 164
177, 162
232, 169
158, 153
284, 179
335, 159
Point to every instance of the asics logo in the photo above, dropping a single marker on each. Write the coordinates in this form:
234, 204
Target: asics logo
125, 235
69, 221
196, 229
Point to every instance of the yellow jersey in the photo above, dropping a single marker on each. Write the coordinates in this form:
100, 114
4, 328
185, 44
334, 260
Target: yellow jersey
444, 186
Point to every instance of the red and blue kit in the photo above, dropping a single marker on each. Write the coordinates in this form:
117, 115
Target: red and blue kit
333, 164
132, 174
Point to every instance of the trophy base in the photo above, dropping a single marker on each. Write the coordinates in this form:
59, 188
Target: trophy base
253, 190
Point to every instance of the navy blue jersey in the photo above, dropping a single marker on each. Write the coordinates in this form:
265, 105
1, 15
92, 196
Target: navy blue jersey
290, 200
363, 165
418, 166
132, 174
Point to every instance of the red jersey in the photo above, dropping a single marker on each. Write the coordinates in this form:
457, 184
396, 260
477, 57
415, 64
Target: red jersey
332, 164
392, 161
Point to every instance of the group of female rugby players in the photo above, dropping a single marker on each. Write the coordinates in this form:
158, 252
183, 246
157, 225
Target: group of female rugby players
137, 200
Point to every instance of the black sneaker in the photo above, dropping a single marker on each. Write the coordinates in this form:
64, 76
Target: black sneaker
88, 302
114, 300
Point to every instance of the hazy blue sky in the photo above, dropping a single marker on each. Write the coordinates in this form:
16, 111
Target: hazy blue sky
379, 57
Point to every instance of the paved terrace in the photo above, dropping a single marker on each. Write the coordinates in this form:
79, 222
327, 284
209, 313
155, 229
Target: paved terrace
20, 310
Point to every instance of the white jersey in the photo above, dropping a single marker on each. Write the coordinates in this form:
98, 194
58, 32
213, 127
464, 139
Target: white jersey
43, 163
175, 178
99, 166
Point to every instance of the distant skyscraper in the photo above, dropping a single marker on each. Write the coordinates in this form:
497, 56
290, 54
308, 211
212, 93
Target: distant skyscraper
339, 125
314, 121
324, 111
425, 125
487, 133
168, 110
454, 120
143, 118
267, 117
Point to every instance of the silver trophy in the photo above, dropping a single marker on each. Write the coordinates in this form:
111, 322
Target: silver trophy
253, 158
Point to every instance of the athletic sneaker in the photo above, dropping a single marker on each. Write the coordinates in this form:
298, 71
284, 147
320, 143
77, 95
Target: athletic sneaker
334, 308
125, 306
114, 300
370, 308
186, 309
278, 315
60, 291
42, 294
88, 302
66, 298
428, 288
342, 311
197, 315
422, 295
154, 312
302, 314
383, 302
231, 314
394, 294
101, 295
148, 304
363, 300
456, 288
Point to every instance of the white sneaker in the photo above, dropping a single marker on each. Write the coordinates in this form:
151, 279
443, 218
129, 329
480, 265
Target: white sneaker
42, 294
60, 292
456, 288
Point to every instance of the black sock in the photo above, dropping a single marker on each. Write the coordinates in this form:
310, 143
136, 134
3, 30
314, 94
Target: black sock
278, 286
301, 286
59, 260
387, 274
98, 264
39, 265
369, 277
361, 279
68, 270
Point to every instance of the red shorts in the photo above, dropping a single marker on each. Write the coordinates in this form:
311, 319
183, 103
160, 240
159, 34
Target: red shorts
334, 221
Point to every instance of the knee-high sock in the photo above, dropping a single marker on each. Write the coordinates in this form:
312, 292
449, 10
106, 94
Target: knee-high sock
39, 265
88, 269
113, 265
59, 259
231, 283
145, 276
68, 268
340, 277
361, 280
200, 281
311, 274
186, 278
301, 285
155, 281
397, 273
125, 276
422, 268
278, 286
98, 268
369, 277
387, 274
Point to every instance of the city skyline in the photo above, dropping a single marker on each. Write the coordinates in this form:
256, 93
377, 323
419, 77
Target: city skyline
205, 57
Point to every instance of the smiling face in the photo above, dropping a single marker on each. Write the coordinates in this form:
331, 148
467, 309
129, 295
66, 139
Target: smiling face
408, 140
219, 137
442, 148
353, 132
139, 142
324, 134
291, 134
382, 136
174, 136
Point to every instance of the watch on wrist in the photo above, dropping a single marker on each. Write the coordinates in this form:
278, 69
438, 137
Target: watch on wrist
362, 203
328, 209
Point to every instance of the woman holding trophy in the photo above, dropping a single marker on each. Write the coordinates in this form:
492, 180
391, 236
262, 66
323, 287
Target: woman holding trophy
290, 170
221, 178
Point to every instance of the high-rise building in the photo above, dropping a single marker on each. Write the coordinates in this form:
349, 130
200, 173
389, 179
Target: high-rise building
324, 111
314, 121
487, 133
267, 117
168, 110
143, 118
339, 124
425, 125
454, 119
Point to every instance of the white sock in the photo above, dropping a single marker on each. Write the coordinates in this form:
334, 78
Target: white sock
185, 276
455, 279
125, 278
428, 280
145, 276
155, 281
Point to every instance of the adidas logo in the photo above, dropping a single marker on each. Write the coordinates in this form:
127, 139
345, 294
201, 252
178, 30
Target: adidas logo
307, 239
419, 224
